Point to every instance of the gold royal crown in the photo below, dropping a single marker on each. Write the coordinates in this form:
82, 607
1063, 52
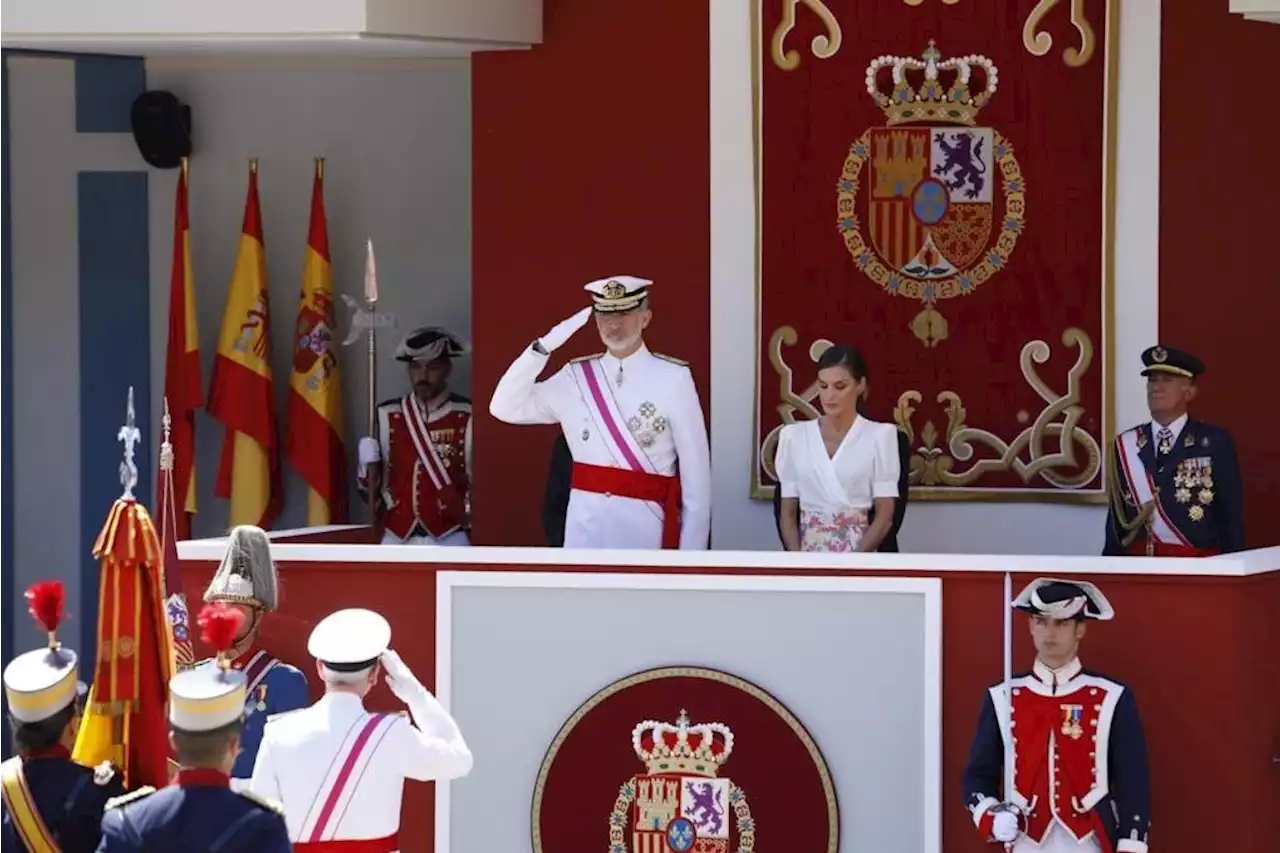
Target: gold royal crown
923, 97
682, 748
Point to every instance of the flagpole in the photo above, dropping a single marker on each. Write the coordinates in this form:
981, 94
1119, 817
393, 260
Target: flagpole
371, 300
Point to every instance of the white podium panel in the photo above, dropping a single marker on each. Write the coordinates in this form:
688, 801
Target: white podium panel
855, 661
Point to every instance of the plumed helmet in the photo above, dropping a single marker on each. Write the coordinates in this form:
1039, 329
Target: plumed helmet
247, 574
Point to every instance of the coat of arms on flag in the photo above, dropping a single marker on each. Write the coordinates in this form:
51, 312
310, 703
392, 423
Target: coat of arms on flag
590, 793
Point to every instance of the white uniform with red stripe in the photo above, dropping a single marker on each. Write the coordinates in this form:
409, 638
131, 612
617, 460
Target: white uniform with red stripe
339, 770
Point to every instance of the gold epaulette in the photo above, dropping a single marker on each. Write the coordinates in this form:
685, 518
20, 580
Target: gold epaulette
671, 358
125, 799
269, 805
591, 357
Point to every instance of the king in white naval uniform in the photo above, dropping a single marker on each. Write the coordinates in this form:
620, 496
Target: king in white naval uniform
633, 422
339, 770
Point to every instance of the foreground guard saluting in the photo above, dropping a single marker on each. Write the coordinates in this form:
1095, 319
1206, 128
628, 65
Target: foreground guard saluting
1079, 759
340, 770
51, 803
247, 581
641, 464
198, 811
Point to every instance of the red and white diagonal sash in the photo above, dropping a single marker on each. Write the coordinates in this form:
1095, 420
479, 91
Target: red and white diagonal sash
342, 780
420, 435
1143, 489
259, 665
594, 388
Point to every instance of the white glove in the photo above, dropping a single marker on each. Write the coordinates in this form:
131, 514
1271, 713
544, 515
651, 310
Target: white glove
400, 678
370, 451
1004, 827
564, 330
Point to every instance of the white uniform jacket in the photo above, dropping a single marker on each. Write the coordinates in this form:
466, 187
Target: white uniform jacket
641, 412
306, 763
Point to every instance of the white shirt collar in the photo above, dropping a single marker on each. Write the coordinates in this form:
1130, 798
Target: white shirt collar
1175, 427
638, 355
342, 702
1060, 676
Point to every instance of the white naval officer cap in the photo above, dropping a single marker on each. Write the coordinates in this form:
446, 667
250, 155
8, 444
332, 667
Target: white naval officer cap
618, 293
428, 343
40, 683
1064, 599
349, 641
211, 694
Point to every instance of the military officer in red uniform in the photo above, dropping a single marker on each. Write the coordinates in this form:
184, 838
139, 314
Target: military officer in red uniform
1080, 780
420, 462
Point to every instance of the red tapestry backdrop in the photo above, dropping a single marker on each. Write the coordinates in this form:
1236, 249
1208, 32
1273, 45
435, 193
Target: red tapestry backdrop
934, 191
684, 758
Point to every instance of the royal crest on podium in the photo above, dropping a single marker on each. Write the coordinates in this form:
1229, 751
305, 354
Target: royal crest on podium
931, 179
681, 804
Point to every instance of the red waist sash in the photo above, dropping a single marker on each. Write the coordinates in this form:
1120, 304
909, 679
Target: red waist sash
387, 844
1156, 548
640, 485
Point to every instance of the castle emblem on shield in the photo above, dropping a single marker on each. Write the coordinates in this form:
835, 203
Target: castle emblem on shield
681, 804
938, 186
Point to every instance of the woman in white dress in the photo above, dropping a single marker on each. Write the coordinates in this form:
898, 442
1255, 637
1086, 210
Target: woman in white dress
832, 470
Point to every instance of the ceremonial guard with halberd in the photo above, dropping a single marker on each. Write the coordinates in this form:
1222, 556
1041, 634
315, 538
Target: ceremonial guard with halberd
1077, 758
641, 475
1175, 482
339, 769
420, 462
198, 811
247, 581
51, 803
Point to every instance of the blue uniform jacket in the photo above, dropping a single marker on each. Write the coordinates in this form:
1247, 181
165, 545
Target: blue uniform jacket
1125, 812
1209, 512
197, 819
283, 688
70, 800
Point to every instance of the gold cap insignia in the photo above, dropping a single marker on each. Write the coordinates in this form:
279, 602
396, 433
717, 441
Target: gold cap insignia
614, 290
1159, 355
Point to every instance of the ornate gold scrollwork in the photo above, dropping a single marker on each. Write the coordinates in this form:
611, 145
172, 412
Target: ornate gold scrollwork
823, 46
1039, 42
934, 465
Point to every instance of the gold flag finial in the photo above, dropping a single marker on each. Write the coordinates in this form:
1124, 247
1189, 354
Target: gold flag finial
185, 167
253, 165
320, 168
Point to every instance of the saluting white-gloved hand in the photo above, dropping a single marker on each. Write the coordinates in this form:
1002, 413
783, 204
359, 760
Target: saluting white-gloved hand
564, 330
369, 451
400, 678
1004, 827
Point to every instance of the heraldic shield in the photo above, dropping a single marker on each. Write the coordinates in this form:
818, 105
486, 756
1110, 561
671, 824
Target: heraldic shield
681, 805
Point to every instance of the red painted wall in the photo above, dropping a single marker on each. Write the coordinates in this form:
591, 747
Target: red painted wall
590, 157
1219, 187
1197, 652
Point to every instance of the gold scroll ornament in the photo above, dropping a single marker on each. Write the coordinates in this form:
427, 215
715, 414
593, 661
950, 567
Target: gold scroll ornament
824, 46
1028, 455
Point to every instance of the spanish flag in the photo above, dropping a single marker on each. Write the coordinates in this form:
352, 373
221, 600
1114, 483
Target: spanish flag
241, 395
313, 440
183, 387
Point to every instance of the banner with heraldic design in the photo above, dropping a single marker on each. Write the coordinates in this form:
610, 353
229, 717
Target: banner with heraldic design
637, 770
935, 188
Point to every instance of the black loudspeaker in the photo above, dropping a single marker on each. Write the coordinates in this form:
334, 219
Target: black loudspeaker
161, 128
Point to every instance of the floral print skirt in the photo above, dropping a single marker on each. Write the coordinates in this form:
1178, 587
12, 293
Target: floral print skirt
839, 531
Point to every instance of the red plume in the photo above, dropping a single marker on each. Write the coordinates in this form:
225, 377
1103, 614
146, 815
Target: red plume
45, 602
219, 625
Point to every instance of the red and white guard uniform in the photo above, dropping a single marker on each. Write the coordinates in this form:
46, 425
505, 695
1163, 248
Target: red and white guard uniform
635, 427
426, 472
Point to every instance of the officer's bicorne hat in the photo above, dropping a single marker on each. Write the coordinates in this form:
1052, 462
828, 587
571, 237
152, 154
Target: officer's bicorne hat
618, 293
247, 574
40, 683
1175, 362
1064, 599
429, 343
349, 642
210, 695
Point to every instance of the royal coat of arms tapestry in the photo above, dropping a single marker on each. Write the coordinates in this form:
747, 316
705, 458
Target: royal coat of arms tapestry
934, 183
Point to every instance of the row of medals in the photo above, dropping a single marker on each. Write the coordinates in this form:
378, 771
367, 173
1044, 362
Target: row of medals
1185, 481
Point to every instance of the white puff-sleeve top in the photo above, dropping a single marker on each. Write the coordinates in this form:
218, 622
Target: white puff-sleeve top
865, 466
